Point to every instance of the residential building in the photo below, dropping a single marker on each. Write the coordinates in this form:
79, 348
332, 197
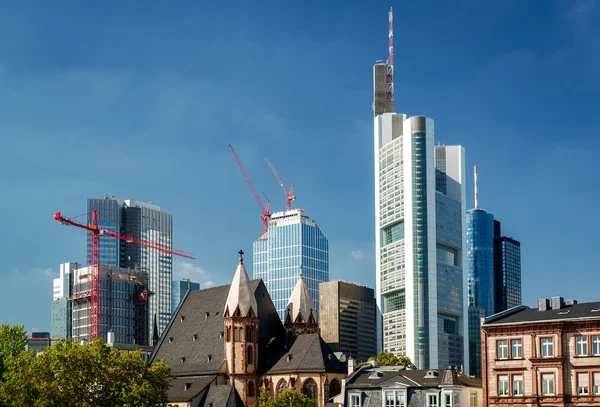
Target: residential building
507, 270
142, 220
123, 305
393, 386
420, 216
62, 311
178, 291
39, 341
547, 355
348, 322
230, 340
293, 246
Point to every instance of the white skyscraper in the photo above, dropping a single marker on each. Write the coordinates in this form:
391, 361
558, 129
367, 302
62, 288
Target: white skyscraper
420, 239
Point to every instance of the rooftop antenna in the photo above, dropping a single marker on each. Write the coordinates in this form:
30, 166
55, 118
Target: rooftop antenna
475, 184
389, 79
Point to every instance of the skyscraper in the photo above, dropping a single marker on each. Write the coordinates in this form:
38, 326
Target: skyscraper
293, 246
507, 270
420, 239
62, 311
347, 314
144, 220
178, 291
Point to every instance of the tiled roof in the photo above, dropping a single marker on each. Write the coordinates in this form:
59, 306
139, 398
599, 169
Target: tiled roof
222, 396
303, 353
389, 376
524, 314
187, 388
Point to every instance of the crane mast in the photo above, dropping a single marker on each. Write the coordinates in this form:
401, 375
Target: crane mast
289, 195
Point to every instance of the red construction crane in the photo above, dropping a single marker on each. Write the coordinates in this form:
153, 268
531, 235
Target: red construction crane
266, 210
289, 195
96, 232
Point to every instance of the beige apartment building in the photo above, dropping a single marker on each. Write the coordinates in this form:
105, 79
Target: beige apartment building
546, 356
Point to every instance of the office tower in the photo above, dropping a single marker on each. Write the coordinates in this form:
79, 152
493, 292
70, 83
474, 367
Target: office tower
61, 301
178, 291
143, 220
293, 246
347, 313
420, 238
123, 306
507, 270
39, 341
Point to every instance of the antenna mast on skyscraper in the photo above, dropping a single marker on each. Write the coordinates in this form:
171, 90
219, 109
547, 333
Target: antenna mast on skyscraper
390, 62
475, 185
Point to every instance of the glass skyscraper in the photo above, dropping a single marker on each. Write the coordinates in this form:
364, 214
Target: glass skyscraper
507, 271
143, 220
62, 307
293, 246
178, 291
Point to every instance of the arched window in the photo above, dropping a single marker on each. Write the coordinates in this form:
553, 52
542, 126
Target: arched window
250, 356
228, 334
249, 332
334, 388
281, 386
236, 334
250, 389
309, 388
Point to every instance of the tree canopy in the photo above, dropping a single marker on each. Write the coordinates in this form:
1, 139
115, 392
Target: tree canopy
287, 398
13, 342
69, 374
389, 359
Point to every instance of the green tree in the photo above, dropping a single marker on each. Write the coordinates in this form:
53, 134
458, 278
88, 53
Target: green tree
68, 374
264, 399
389, 359
13, 342
287, 398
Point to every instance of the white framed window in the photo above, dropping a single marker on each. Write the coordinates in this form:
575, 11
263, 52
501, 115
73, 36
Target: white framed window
596, 378
456, 399
447, 399
547, 347
394, 398
473, 399
581, 346
355, 400
583, 383
517, 384
548, 384
517, 348
502, 349
503, 385
596, 345
432, 400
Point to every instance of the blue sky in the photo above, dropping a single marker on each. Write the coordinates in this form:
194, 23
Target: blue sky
140, 99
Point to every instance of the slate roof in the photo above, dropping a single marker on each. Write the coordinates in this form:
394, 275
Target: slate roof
180, 392
307, 353
223, 396
389, 376
196, 330
524, 314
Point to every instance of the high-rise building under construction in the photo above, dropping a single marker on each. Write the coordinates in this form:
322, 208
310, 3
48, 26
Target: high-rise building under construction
143, 220
421, 285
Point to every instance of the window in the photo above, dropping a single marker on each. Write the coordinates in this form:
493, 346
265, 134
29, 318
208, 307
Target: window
548, 384
517, 348
456, 399
250, 358
335, 388
502, 348
447, 400
596, 345
249, 334
583, 383
355, 400
547, 347
281, 386
517, 385
432, 400
581, 342
395, 398
596, 382
228, 334
250, 389
309, 388
473, 399
503, 385
236, 334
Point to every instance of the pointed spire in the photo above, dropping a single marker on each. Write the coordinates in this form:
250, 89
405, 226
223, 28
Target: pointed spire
241, 294
301, 305
155, 337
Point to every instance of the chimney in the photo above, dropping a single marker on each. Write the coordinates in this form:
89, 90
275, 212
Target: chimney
350, 366
558, 302
570, 302
543, 304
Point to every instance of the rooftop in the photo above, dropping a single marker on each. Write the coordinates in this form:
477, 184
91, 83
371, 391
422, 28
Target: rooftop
389, 376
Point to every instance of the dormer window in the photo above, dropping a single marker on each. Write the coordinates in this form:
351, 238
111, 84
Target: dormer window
187, 386
171, 339
394, 398
182, 318
375, 375
209, 358
195, 337
206, 315
288, 357
182, 360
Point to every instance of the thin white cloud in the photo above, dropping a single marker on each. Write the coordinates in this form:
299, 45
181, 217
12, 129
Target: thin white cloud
184, 270
48, 272
358, 254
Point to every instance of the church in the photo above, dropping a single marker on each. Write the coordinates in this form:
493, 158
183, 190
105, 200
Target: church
226, 343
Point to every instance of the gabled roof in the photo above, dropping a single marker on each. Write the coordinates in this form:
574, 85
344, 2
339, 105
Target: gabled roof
196, 331
395, 376
301, 305
188, 388
303, 353
524, 314
223, 396
240, 294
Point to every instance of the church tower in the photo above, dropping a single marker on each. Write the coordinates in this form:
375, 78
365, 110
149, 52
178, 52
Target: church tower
240, 319
301, 316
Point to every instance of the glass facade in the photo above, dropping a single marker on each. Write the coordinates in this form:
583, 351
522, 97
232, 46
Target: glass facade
480, 258
178, 291
62, 312
143, 220
294, 246
507, 273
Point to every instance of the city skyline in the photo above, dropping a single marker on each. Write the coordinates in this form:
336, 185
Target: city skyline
528, 107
